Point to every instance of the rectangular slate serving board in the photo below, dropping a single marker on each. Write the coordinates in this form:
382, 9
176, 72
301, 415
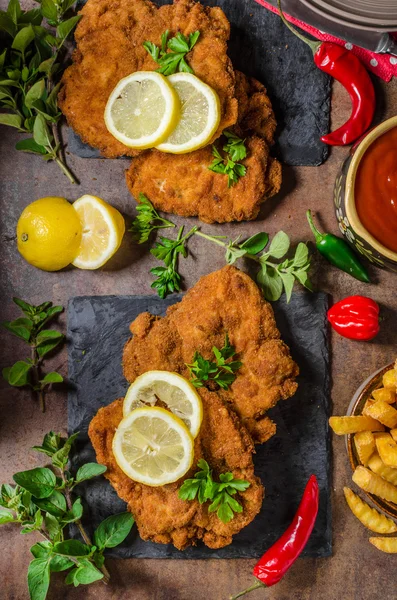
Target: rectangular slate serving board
261, 46
97, 331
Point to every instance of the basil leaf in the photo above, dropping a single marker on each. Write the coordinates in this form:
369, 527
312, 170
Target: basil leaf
38, 578
36, 92
41, 549
11, 120
113, 530
23, 38
88, 471
256, 243
66, 27
49, 10
288, 281
6, 517
71, 548
40, 482
60, 563
52, 377
271, 283
18, 375
55, 504
279, 245
29, 145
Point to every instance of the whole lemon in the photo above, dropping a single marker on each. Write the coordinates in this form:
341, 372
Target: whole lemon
49, 233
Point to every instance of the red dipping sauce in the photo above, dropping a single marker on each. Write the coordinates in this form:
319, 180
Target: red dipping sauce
375, 189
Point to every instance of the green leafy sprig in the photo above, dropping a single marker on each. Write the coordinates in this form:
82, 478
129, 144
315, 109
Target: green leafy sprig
179, 46
147, 220
235, 151
221, 372
220, 494
31, 329
42, 502
30, 65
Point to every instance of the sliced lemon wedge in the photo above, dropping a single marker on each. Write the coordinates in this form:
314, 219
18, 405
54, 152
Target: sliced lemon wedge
142, 110
103, 228
153, 446
200, 115
173, 390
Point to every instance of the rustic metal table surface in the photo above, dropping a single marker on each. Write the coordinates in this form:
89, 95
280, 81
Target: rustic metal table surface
356, 571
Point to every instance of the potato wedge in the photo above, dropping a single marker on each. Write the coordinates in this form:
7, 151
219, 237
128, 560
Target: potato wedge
393, 433
388, 544
344, 425
376, 465
387, 450
389, 379
385, 394
367, 405
368, 516
383, 412
374, 484
364, 443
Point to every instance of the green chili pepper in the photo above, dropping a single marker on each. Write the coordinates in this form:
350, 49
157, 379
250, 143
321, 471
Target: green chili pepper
338, 252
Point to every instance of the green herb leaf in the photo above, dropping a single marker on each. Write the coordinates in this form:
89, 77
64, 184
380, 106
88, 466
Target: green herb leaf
14, 10
41, 133
40, 482
36, 92
38, 578
171, 62
147, 220
75, 513
256, 243
279, 245
23, 38
234, 146
11, 120
29, 145
41, 549
53, 527
49, 10
61, 457
88, 471
229, 166
220, 372
60, 563
7, 24
6, 517
71, 548
270, 282
21, 327
288, 282
55, 504
52, 377
51, 443
18, 375
86, 573
34, 525
67, 27
113, 530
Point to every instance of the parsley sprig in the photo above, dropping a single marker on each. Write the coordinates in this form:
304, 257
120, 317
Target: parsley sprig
30, 65
30, 329
41, 502
179, 46
220, 494
147, 220
235, 151
221, 372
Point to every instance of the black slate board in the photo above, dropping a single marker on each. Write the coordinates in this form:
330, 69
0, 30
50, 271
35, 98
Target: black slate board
97, 331
261, 46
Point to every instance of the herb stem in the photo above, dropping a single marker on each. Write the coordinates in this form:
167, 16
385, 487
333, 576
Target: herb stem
211, 238
64, 168
36, 377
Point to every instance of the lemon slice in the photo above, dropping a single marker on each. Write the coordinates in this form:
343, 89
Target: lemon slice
200, 115
142, 110
153, 446
178, 394
102, 232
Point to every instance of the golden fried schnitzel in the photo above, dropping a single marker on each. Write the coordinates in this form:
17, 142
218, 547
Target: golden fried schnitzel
109, 40
224, 302
182, 184
159, 513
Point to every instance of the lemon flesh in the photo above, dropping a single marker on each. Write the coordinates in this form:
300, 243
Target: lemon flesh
103, 229
49, 233
173, 390
153, 446
142, 110
200, 115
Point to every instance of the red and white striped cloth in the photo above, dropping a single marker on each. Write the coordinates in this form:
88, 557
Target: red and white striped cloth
383, 65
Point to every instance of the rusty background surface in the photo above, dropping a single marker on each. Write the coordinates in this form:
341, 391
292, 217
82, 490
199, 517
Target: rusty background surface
356, 571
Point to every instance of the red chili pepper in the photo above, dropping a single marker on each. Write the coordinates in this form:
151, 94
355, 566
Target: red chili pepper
281, 556
345, 67
355, 317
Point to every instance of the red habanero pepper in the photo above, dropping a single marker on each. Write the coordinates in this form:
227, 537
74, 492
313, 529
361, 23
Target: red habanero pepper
355, 317
346, 68
281, 556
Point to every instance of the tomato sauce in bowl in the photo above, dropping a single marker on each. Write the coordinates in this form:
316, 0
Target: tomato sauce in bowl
375, 189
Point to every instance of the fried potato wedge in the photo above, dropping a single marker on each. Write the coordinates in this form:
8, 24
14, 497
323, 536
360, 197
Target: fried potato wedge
368, 516
364, 443
388, 545
383, 412
369, 402
374, 484
376, 465
393, 433
386, 394
387, 450
389, 379
345, 425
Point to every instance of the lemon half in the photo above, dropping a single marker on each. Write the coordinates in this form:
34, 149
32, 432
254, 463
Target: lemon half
142, 110
103, 228
200, 115
153, 446
178, 394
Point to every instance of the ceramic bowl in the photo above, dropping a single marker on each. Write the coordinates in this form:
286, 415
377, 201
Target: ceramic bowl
364, 392
345, 208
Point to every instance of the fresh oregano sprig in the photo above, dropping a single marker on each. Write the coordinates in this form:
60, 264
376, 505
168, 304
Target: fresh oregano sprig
30, 67
220, 494
31, 329
147, 220
42, 502
222, 371
173, 60
235, 151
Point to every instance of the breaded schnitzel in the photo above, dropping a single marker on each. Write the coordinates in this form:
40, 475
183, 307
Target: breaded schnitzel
226, 301
159, 513
182, 184
109, 40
